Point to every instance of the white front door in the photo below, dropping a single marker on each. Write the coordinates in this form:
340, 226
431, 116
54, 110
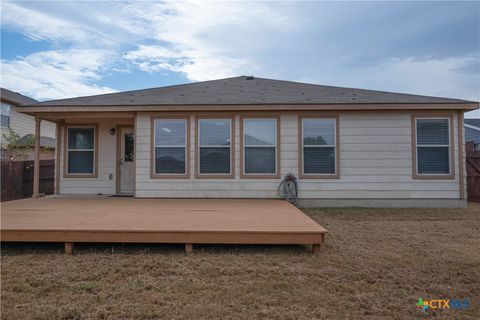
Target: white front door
127, 164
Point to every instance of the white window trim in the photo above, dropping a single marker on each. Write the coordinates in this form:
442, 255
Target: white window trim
433, 145
94, 167
155, 146
260, 146
214, 146
320, 146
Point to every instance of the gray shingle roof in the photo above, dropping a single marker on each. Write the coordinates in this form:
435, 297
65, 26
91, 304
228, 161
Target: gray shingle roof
246, 90
45, 142
473, 122
15, 97
472, 135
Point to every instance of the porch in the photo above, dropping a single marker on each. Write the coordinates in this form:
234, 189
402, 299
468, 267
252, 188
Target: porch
99, 219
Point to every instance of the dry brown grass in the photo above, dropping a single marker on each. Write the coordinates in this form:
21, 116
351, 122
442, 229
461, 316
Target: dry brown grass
375, 264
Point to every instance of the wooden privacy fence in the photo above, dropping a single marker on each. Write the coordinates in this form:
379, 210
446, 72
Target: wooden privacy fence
17, 179
473, 172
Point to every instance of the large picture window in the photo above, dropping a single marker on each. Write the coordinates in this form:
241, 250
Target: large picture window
433, 146
170, 146
80, 150
214, 147
260, 146
318, 147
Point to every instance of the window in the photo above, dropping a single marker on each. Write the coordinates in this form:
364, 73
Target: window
80, 150
433, 146
5, 115
260, 146
318, 147
129, 147
170, 143
215, 146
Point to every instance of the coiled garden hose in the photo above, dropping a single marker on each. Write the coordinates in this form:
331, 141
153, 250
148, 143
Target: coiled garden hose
288, 188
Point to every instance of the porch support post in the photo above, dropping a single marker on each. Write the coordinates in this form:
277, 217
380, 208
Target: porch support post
135, 155
69, 248
461, 164
188, 248
316, 248
36, 167
58, 137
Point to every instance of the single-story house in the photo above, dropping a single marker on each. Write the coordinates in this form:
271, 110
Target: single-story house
472, 131
238, 137
24, 126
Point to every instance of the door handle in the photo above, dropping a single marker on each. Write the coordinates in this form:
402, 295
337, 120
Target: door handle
121, 161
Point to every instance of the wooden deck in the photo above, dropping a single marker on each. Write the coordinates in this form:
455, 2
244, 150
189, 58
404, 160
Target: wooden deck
189, 221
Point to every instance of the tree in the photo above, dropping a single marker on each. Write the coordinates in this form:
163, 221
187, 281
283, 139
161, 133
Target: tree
15, 148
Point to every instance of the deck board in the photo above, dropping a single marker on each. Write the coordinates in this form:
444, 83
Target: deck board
104, 219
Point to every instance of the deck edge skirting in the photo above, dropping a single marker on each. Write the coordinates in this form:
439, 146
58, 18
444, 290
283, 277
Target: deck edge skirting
224, 237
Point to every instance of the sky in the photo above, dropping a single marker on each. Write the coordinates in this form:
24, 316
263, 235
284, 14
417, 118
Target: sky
62, 49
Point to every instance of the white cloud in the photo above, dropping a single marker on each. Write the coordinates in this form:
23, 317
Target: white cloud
335, 44
195, 66
39, 25
56, 74
156, 58
204, 40
435, 77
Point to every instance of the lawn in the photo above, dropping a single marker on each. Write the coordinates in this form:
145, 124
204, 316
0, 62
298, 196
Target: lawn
375, 264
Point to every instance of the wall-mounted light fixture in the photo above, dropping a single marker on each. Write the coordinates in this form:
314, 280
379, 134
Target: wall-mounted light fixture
112, 131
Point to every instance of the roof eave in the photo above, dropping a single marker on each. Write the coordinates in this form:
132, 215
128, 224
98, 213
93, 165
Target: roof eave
465, 106
11, 101
18, 100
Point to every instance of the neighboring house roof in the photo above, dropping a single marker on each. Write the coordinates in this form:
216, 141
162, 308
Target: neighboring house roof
246, 90
15, 97
45, 142
473, 122
472, 130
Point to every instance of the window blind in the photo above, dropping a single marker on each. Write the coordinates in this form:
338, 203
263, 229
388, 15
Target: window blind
319, 146
433, 146
215, 146
260, 145
81, 150
170, 146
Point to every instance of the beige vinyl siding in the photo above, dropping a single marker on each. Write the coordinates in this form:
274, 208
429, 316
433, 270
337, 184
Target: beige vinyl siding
106, 161
24, 124
375, 162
